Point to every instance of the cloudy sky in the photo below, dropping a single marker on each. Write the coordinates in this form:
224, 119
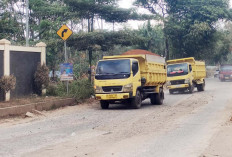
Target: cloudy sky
128, 3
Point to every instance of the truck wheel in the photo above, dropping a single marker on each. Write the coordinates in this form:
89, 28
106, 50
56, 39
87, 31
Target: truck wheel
201, 87
104, 104
158, 98
171, 91
191, 89
136, 101
153, 99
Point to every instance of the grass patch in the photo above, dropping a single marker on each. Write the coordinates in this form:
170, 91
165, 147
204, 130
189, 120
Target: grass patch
78, 89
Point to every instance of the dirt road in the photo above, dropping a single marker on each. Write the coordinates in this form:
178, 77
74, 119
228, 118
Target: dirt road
184, 126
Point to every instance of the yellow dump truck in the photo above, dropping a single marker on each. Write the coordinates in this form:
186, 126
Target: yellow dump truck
184, 74
130, 79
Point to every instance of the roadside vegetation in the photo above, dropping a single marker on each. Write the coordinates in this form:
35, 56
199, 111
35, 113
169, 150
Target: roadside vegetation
78, 89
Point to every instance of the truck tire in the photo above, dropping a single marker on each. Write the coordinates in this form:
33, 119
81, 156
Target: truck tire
136, 101
104, 104
153, 99
157, 98
190, 89
201, 87
171, 91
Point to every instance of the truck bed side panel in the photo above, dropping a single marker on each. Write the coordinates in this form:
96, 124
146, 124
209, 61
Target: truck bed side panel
154, 70
199, 70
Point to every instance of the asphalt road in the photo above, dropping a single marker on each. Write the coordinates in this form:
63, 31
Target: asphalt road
183, 126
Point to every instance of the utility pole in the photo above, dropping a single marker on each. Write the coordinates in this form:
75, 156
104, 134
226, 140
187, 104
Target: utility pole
27, 22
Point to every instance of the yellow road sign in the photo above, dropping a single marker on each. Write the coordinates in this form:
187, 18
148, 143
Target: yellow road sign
64, 32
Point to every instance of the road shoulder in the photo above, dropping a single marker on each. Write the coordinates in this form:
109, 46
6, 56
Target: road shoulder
221, 143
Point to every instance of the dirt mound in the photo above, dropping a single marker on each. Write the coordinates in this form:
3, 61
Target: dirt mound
139, 52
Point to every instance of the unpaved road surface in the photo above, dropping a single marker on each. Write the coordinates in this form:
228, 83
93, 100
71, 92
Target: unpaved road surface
184, 126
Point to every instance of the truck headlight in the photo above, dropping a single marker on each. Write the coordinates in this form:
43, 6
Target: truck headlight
98, 89
187, 81
169, 83
128, 88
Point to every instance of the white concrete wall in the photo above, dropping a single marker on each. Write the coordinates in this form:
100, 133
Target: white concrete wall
6, 46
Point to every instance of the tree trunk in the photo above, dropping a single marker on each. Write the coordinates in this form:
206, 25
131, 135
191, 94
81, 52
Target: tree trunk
90, 63
167, 48
92, 24
89, 30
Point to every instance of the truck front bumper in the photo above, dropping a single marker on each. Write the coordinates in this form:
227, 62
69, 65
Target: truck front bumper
178, 86
113, 96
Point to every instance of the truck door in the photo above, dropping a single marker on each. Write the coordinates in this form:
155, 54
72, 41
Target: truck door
136, 76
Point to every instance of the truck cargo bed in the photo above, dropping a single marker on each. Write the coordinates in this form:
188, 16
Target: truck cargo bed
152, 68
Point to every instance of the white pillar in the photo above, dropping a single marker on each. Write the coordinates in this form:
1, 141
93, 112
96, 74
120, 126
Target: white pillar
42, 58
6, 62
43, 52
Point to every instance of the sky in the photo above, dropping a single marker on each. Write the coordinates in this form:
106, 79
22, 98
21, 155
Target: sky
130, 24
128, 3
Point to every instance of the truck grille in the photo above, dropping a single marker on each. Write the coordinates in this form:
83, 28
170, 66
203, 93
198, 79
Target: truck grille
176, 82
112, 88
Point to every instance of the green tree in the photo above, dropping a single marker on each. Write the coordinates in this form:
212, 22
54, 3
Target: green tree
103, 9
153, 38
189, 25
11, 27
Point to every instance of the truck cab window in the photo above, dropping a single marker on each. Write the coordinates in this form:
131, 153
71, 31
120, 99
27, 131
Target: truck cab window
190, 68
135, 68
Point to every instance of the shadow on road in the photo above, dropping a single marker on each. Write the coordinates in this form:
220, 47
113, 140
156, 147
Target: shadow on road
145, 104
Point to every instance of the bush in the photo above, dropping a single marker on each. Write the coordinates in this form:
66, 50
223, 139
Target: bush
41, 78
7, 83
79, 89
52, 90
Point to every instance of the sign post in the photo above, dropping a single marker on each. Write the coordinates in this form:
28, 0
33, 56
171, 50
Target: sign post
64, 32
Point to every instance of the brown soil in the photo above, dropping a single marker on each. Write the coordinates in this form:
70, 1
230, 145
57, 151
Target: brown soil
25, 100
139, 52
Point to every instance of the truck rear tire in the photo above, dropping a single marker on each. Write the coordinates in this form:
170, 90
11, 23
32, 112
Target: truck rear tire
153, 99
104, 104
201, 87
157, 98
136, 101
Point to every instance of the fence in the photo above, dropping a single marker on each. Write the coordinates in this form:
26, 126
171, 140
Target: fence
21, 62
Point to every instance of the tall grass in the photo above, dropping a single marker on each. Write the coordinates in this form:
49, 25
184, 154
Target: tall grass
79, 89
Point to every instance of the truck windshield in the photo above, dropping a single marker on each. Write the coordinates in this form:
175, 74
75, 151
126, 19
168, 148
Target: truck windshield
177, 69
226, 68
113, 69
